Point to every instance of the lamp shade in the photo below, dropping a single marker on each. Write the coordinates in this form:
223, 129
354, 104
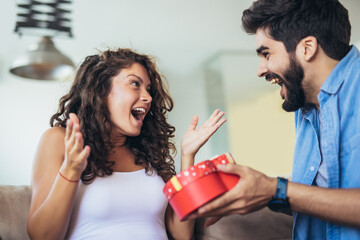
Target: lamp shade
43, 61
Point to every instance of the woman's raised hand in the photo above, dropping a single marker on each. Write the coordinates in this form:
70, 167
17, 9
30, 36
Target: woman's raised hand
194, 139
75, 153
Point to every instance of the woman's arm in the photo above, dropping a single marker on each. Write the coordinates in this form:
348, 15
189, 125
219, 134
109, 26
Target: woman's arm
192, 141
52, 198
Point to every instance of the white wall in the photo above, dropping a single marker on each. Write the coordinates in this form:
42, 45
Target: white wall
182, 34
27, 105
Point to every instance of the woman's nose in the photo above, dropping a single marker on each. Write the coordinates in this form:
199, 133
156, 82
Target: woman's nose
145, 96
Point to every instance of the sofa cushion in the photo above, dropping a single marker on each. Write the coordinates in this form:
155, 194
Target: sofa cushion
261, 225
14, 208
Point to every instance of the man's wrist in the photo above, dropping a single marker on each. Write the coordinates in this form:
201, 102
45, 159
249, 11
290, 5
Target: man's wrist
279, 202
272, 188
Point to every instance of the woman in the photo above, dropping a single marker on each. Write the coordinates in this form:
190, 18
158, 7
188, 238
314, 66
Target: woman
100, 169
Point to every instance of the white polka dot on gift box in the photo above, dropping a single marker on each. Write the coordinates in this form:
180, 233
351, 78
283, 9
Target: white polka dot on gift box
195, 172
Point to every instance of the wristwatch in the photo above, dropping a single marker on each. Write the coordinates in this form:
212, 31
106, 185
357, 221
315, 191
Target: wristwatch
279, 202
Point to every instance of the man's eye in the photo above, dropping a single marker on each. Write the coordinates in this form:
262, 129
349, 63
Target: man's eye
265, 54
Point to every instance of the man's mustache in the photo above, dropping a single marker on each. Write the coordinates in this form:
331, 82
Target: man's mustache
272, 76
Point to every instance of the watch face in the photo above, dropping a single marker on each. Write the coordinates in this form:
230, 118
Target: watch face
279, 205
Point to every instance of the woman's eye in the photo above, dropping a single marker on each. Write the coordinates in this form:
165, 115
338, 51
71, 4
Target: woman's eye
135, 83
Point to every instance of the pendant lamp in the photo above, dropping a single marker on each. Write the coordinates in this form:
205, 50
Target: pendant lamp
43, 61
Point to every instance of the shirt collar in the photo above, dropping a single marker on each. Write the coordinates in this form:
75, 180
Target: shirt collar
337, 76
309, 114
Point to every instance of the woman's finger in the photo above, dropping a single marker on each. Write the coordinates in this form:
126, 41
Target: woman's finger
69, 126
74, 117
219, 123
85, 153
214, 128
79, 142
71, 141
216, 118
207, 123
194, 122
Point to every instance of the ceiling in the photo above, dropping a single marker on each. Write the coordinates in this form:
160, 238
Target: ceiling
183, 35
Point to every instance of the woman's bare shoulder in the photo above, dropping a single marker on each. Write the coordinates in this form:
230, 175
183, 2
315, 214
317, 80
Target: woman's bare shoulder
51, 146
54, 133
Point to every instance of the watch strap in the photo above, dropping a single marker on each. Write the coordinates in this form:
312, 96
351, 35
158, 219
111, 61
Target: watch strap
279, 202
281, 189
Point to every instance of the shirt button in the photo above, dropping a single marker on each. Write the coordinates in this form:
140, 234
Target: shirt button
312, 168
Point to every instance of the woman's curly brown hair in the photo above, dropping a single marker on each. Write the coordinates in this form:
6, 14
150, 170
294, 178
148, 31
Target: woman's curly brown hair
87, 98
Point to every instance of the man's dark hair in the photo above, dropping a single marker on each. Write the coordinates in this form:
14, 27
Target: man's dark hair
289, 21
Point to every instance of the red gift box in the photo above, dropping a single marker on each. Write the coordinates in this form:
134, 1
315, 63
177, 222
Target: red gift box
197, 185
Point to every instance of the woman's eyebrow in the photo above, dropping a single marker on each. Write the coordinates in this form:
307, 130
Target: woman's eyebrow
139, 78
134, 75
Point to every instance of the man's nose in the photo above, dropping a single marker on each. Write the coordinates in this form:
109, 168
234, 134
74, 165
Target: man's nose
262, 68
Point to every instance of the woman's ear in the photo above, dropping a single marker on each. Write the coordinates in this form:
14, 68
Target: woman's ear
309, 46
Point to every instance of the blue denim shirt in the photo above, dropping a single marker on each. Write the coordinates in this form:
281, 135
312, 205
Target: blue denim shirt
338, 146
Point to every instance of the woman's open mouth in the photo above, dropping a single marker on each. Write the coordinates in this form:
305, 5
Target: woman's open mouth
138, 113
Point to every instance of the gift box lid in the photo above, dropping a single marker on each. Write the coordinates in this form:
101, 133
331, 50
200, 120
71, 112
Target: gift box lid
192, 174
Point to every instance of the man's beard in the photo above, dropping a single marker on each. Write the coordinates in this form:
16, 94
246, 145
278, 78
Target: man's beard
295, 96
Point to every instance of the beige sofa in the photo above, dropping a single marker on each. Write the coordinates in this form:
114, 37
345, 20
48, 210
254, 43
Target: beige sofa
261, 225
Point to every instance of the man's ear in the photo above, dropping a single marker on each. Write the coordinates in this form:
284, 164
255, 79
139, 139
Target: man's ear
309, 48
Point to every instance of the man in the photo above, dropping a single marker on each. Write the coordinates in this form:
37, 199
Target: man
303, 46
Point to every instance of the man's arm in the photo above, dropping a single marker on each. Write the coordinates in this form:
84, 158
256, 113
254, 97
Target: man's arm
254, 190
340, 206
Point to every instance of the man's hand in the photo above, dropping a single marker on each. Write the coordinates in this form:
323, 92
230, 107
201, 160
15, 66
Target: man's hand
253, 191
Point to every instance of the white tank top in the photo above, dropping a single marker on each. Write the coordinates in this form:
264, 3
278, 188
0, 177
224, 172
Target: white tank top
124, 205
